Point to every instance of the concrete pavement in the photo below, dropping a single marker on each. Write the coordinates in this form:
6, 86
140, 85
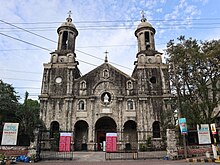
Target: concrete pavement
98, 158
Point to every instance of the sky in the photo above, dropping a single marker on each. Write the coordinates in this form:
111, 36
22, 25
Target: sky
28, 33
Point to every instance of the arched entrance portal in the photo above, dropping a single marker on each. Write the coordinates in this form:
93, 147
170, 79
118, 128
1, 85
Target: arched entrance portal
130, 135
103, 126
81, 135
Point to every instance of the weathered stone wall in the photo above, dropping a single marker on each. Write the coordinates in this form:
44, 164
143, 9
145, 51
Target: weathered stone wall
172, 151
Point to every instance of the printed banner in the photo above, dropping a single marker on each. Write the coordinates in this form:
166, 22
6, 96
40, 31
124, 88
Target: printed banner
203, 134
10, 134
183, 126
213, 129
65, 142
111, 142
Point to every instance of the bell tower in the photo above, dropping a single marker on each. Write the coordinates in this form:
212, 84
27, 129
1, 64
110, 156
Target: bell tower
67, 33
149, 69
145, 35
57, 91
152, 82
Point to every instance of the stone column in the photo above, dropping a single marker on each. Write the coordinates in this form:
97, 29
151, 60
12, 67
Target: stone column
172, 151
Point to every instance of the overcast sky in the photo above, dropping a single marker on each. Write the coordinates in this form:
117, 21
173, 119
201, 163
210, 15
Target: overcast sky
102, 25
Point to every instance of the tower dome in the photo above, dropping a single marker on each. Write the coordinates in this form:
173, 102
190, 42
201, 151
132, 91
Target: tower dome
144, 23
145, 35
67, 35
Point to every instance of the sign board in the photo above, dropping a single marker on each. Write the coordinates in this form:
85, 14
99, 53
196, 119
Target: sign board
10, 134
183, 126
213, 129
111, 142
203, 134
65, 142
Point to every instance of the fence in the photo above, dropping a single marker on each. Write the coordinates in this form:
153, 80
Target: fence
141, 145
48, 146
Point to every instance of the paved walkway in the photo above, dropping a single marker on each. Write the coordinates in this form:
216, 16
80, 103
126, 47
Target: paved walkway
98, 158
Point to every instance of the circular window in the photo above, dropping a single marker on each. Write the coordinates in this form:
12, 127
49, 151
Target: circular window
153, 80
58, 80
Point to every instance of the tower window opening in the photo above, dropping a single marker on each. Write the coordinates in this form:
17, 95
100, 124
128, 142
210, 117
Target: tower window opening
65, 40
129, 85
83, 85
147, 40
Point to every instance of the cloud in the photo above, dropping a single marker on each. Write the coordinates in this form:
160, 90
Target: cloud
88, 13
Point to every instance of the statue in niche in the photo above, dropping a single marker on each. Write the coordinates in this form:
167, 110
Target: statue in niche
106, 98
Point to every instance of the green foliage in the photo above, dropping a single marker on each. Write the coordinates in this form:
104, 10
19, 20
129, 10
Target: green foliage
28, 117
8, 102
194, 75
26, 114
147, 146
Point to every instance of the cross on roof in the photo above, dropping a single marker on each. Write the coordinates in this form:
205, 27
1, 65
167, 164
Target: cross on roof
70, 13
106, 58
142, 14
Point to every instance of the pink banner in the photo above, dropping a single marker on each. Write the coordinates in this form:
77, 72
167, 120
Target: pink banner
111, 142
65, 142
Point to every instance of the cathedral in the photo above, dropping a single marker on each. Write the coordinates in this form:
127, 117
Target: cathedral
105, 100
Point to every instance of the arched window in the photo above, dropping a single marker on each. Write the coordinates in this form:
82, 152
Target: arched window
64, 40
156, 129
105, 73
130, 105
83, 85
54, 58
54, 128
129, 85
81, 105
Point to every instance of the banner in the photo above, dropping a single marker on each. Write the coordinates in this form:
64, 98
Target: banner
65, 142
203, 134
10, 134
213, 128
183, 126
111, 142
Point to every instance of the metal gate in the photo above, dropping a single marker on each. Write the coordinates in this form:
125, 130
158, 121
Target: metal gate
129, 147
48, 146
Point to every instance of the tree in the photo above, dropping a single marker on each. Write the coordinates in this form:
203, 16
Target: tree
8, 102
194, 75
28, 117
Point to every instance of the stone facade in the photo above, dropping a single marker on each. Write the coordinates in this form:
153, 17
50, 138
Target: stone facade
105, 99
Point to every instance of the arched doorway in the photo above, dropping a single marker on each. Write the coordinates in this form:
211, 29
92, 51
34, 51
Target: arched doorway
81, 135
103, 126
130, 135
54, 129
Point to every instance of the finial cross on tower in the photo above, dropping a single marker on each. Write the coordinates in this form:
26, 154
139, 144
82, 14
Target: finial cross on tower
143, 19
142, 13
106, 52
70, 13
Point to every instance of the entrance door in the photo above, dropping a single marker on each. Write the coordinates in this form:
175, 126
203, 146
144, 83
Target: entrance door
103, 126
101, 136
